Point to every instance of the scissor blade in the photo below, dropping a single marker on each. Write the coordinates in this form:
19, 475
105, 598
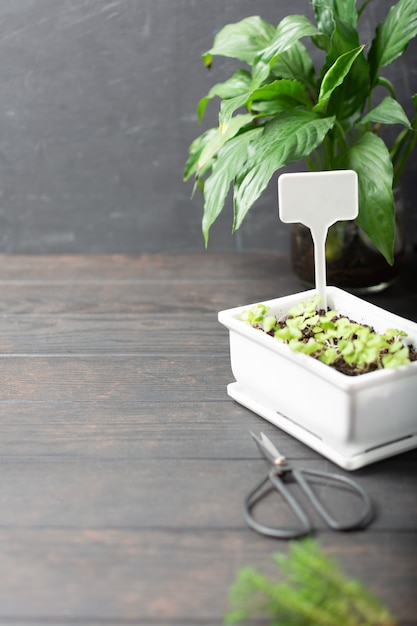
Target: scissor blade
268, 450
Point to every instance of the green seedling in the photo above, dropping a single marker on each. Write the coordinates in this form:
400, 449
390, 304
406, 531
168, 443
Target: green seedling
332, 338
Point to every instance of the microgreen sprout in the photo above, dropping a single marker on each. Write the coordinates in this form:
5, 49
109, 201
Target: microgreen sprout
332, 338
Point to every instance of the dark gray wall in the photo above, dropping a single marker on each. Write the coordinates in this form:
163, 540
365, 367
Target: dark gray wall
97, 108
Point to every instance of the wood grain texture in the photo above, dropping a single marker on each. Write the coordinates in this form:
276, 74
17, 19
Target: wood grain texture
124, 464
159, 576
198, 492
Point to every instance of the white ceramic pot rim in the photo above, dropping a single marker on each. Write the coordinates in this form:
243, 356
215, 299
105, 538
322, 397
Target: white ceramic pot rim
345, 303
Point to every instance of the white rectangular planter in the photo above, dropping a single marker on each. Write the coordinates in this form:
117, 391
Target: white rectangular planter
353, 421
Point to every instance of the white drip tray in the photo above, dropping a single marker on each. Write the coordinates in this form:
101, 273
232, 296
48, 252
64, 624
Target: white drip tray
336, 454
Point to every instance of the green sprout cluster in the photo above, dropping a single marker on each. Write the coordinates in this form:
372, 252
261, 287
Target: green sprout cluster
332, 338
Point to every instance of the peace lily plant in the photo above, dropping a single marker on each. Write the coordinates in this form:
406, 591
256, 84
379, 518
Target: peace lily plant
280, 109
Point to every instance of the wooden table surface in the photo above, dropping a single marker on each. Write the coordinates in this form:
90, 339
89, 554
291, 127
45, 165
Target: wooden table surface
124, 463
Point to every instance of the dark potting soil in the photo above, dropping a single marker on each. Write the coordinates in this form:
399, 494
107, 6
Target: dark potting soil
340, 364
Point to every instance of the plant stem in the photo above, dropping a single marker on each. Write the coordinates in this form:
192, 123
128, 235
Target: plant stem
401, 151
384, 82
314, 161
363, 7
342, 136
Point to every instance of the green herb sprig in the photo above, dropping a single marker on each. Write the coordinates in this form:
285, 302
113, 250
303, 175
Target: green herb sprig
312, 590
332, 338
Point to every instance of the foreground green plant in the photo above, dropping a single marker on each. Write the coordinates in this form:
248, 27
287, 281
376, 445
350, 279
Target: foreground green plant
332, 338
313, 591
280, 109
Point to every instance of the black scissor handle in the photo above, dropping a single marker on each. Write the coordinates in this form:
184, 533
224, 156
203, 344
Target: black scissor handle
258, 493
341, 482
275, 479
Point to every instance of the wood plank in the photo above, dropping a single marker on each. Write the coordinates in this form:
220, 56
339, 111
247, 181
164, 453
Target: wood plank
122, 429
112, 334
136, 297
125, 464
82, 284
198, 266
181, 493
107, 377
102, 576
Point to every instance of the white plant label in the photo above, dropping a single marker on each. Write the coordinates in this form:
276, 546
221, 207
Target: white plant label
318, 200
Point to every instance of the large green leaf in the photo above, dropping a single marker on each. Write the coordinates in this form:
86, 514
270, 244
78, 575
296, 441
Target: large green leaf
389, 111
330, 14
324, 17
228, 108
195, 151
223, 133
230, 161
404, 145
335, 76
236, 85
278, 96
348, 101
289, 138
344, 39
295, 64
370, 158
392, 35
290, 30
346, 11
327, 10
241, 40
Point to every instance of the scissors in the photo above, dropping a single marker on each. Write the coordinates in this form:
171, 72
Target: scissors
280, 475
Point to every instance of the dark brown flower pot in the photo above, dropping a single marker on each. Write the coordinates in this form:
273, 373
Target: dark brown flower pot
352, 261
